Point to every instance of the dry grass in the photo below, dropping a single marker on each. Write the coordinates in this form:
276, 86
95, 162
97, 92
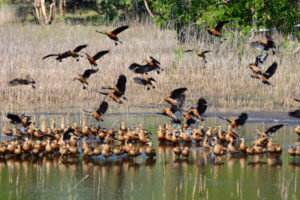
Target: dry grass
225, 82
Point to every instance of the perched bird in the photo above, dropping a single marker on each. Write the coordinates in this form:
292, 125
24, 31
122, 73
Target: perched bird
200, 54
118, 90
70, 53
270, 130
257, 66
83, 77
23, 81
100, 111
113, 34
150, 65
264, 77
22, 119
240, 121
92, 60
265, 44
216, 31
145, 81
176, 98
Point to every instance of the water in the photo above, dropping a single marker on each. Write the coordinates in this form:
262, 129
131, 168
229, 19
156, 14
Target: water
202, 176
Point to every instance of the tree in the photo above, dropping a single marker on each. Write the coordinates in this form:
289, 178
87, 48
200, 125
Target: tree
41, 12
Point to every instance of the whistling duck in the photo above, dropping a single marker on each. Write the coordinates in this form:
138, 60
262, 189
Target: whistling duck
118, 151
70, 53
258, 149
18, 150
177, 151
2, 149
7, 131
92, 60
196, 136
150, 65
218, 149
200, 54
171, 112
264, 44
113, 34
250, 150
205, 144
150, 152
27, 146
271, 146
230, 133
257, 66
127, 147
73, 142
160, 133
83, 77
185, 138
97, 150
269, 131
216, 31
23, 81
73, 150
185, 152
102, 134
145, 81
22, 119
264, 77
84, 144
119, 90
295, 114
142, 137
231, 148
199, 109
292, 151
297, 130
278, 148
240, 121
174, 138
100, 112
176, 98
243, 147
297, 151
48, 148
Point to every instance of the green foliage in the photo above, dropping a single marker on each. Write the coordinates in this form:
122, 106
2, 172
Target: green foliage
112, 10
243, 14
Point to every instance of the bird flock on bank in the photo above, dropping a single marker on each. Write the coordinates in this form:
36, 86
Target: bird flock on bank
185, 127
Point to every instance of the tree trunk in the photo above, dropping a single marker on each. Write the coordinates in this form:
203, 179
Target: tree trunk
62, 7
148, 9
41, 12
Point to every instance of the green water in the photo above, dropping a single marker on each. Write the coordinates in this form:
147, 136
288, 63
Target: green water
200, 177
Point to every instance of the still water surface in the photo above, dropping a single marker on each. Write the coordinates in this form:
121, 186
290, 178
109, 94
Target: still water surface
202, 176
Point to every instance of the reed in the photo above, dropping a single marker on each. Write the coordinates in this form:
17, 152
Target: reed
225, 81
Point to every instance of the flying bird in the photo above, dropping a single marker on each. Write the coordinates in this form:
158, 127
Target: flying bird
265, 44
113, 34
217, 30
145, 81
19, 119
83, 77
151, 65
240, 121
99, 112
257, 66
295, 114
176, 98
118, 90
199, 109
264, 77
23, 81
269, 131
200, 54
92, 60
70, 53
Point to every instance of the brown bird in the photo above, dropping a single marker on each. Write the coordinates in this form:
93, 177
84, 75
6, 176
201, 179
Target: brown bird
270, 130
83, 77
119, 90
240, 121
113, 34
200, 54
172, 113
145, 81
199, 109
70, 53
176, 98
92, 60
257, 66
22, 119
265, 44
150, 65
23, 81
264, 77
100, 111
216, 31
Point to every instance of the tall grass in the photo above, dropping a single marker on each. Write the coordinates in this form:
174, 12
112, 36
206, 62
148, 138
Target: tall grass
225, 81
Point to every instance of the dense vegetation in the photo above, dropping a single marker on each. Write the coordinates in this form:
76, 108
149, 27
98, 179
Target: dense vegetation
185, 16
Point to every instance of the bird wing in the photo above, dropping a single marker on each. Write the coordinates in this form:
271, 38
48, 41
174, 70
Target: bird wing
258, 45
273, 129
269, 38
201, 106
298, 100
177, 92
120, 29
79, 48
220, 25
205, 52
102, 108
88, 72
13, 117
139, 80
271, 70
295, 114
134, 66
144, 69
121, 84
50, 55
259, 60
100, 54
154, 60
180, 101
18, 81
63, 55
242, 119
